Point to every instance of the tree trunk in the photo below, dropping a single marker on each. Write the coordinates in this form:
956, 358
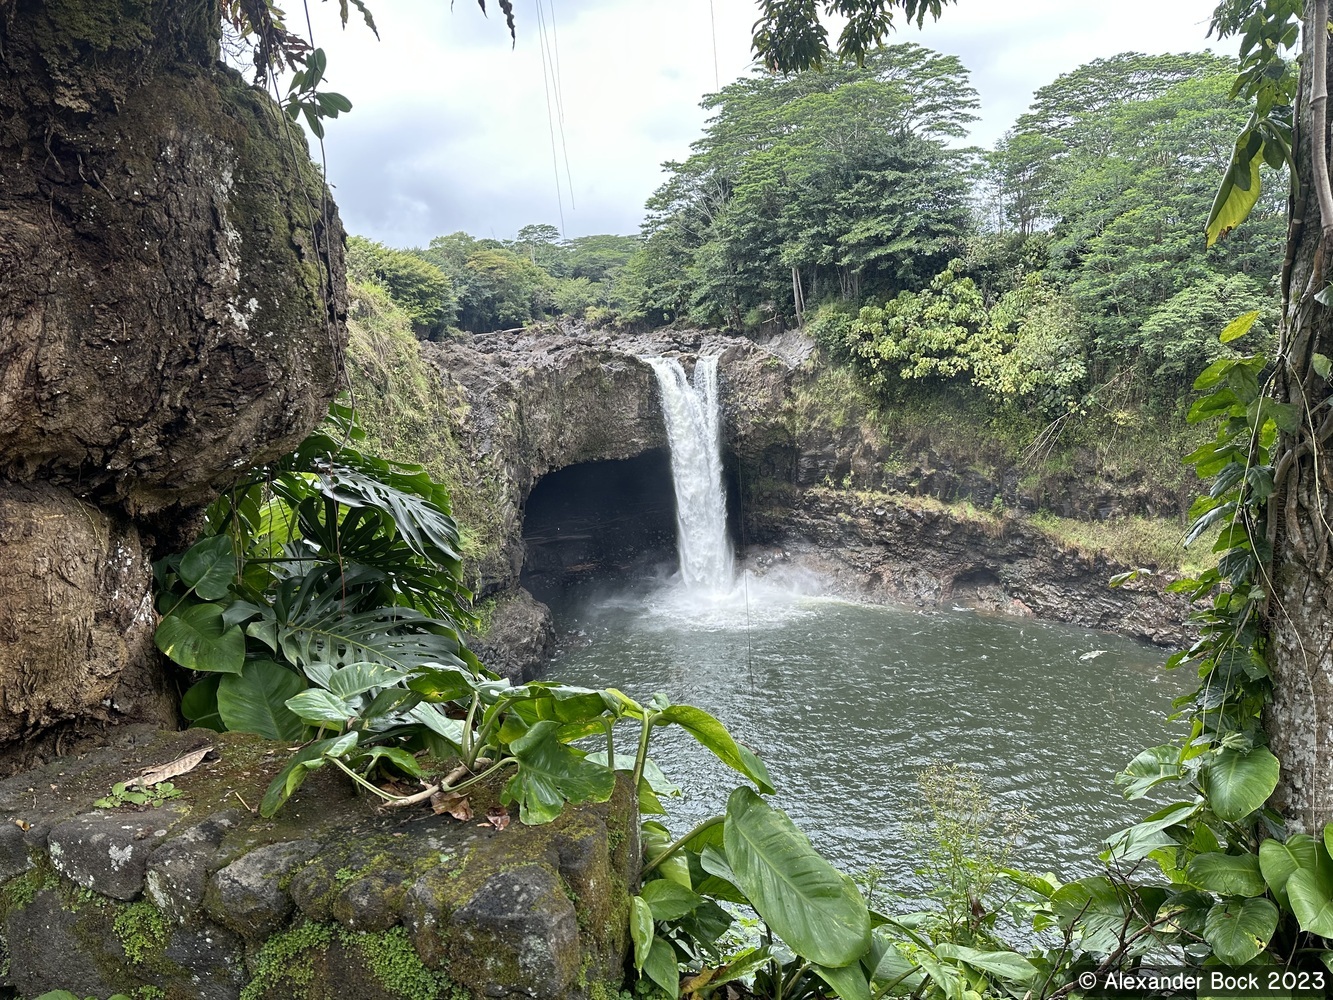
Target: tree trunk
170, 313
1299, 719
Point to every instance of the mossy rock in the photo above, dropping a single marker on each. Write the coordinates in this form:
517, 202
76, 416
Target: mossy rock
347, 901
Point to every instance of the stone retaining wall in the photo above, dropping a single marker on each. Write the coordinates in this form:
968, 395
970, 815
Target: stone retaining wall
196, 898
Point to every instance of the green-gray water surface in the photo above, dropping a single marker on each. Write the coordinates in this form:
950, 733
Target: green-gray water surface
847, 703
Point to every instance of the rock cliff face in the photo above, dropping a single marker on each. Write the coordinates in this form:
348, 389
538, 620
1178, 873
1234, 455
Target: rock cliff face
170, 313
873, 547
540, 402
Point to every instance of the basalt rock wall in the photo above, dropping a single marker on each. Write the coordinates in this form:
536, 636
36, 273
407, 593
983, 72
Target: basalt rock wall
170, 313
873, 546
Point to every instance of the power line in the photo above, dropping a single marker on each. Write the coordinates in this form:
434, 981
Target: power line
550, 116
712, 20
560, 100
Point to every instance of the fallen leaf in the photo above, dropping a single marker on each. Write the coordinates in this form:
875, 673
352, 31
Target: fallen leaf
456, 806
23, 825
181, 765
498, 816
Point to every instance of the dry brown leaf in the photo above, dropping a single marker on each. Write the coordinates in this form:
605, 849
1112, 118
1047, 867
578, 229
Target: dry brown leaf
498, 817
181, 765
23, 825
456, 806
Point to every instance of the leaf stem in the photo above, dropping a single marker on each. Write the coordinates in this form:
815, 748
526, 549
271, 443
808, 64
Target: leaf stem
388, 796
796, 974
644, 733
402, 801
675, 846
469, 753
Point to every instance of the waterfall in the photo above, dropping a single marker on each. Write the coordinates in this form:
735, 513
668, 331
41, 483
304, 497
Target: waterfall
694, 433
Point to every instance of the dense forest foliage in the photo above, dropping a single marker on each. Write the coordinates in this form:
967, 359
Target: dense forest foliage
1062, 270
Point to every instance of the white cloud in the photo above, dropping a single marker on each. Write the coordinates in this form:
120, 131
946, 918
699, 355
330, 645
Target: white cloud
450, 127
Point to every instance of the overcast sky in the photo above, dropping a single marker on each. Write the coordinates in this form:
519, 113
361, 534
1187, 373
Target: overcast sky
450, 128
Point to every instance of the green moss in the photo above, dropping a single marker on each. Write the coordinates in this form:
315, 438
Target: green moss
149, 993
607, 990
485, 612
19, 892
286, 960
101, 25
290, 964
393, 962
142, 930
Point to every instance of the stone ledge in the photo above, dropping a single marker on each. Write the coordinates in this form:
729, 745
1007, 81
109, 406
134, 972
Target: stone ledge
199, 898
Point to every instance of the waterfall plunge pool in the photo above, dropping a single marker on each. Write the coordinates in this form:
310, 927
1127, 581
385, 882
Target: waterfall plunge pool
849, 703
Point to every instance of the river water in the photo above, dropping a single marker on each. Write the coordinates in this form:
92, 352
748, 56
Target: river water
847, 703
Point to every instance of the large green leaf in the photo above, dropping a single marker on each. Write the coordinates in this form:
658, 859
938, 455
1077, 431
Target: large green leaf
669, 900
200, 704
406, 493
209, 566
1006, 965
1226, 874
1141, 839
255, 701
321, 708
655, 838
551, 774
562, 703
848, 981
1148, 770
713, 735
1311, 894
358, 678
316, 625
662, 968
197, 638
887, 963
1279, 861
742, 966
641, 930
396, 756
1239, 929
301, 763
814, 908
1238, 782
436, 683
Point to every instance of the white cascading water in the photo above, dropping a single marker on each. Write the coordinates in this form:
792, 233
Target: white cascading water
694, 433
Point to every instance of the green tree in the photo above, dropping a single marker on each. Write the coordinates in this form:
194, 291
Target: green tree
1179, 339
600, 257
543, 245
496, 287
822, 183
1132, 150
936, 333
418, 286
